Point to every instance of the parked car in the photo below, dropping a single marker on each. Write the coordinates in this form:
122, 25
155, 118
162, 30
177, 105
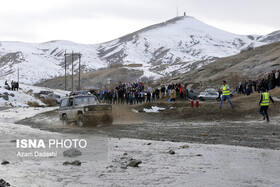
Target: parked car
191, 94
44, 93
53, 96
210, 90
85, 111
208, 96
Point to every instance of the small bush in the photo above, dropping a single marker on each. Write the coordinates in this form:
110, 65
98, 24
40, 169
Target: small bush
50, 102
33, 103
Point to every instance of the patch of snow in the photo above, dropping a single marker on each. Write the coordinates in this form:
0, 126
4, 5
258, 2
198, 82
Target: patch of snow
154, 109
135, 111
275, 98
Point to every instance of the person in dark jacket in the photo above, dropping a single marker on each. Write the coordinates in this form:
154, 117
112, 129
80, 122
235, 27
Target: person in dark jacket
16, 86
148, 97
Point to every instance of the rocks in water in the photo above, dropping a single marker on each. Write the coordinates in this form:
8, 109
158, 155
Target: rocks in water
73, 152
3, 183
171, 152
134, 163
5, 162
66, 163
125, 154
13, 141
149, 144
74, 163
199, 155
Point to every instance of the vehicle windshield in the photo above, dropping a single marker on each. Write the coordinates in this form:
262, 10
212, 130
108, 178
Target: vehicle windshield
85, 100
46, 92
203, 93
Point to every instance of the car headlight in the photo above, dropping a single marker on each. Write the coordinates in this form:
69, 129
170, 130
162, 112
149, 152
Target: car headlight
86, 109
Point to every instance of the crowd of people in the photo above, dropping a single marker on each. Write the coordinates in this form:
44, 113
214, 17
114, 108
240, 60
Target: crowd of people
268, 83
14, 85
135, 93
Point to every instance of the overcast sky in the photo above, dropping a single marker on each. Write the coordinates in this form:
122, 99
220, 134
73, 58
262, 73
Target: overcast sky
97, 21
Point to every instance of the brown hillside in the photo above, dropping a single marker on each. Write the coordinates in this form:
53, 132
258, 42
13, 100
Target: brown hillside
246, 65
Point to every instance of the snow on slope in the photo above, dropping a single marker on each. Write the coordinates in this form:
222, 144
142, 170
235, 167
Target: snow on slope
161, 49
44, 61
21, 97
174, 45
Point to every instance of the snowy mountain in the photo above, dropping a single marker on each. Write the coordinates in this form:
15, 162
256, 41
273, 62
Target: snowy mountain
163, 49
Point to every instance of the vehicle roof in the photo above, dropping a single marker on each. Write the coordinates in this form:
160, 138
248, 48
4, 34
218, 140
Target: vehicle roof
46, 91
80, 91
72, 96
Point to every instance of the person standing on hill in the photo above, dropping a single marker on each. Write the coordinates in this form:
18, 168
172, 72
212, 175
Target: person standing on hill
264, 103
12, 85
226, 94
173, 95
148, 97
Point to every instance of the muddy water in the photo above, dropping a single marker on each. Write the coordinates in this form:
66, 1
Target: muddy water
251, 133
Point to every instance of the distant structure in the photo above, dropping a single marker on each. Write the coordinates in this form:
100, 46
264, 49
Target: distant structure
185, 14
109, 80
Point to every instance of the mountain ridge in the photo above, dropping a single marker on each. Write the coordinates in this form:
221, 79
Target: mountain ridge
162, 49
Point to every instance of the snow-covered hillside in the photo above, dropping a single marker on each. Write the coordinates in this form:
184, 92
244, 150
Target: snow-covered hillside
25, 94
36, 62
159, 50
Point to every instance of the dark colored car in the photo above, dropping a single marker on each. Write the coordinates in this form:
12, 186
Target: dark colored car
191, 94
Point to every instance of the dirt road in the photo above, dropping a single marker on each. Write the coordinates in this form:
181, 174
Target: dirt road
179, 123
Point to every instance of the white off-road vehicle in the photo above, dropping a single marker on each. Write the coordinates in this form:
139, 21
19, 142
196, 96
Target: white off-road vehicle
85, 111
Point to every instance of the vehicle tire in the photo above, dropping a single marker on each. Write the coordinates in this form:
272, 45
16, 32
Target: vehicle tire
43, 99
201, 99
64, 119
80, 120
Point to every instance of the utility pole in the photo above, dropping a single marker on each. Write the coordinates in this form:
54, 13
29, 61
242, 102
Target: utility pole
72, 71
65, 69
79, 71
72, 76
